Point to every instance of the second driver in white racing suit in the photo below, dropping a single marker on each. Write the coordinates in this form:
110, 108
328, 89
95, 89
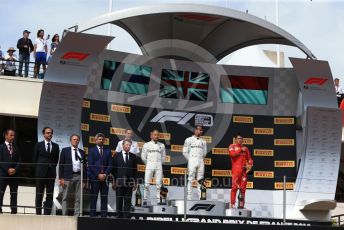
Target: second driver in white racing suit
195, 150
153, 155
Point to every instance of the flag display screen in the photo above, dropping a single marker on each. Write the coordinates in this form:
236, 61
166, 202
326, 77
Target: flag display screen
184, 85
131, 78
244, 90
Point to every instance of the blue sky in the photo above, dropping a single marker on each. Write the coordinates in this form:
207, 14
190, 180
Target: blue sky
319, 24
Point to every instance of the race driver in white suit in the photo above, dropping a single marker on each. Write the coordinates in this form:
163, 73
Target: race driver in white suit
195, 150
153, 155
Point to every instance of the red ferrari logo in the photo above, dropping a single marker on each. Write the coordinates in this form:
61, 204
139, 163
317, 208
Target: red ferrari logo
75, 55
315, 81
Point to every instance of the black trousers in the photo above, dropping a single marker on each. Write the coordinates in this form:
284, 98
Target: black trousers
13, 184
46, 184
123, 201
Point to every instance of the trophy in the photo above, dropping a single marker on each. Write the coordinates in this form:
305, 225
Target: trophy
240, 200
163, 195
138, 197
202, 182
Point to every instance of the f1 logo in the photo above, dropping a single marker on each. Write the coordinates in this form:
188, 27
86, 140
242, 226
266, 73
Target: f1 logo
75, 55
180, 117
206, 207
315, 81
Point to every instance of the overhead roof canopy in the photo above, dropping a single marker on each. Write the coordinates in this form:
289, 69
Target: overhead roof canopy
194, 32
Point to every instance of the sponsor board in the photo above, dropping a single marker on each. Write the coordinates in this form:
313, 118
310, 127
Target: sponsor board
167, 159
85, 127
117, 131
243, 119
221, 173
263, 152
263, 174
284, 164
288, 185
178, 170
86, 150
120, 108
219, 151
165, 181
284, 121
207, 139
263, 131
207, 161
245, 141
249, 185
92, 140
99, 117
141, 168
284, 142
165, 136
177, 148
86, 104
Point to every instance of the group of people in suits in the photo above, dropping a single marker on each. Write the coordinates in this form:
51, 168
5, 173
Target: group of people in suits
100, 164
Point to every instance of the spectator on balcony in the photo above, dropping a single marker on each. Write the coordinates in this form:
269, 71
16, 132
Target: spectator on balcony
10, 66
55, 41
25, 47
40, 52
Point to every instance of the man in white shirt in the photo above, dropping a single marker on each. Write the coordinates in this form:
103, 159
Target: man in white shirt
128, 136
153, 155
71, 161
339, 88
40, 52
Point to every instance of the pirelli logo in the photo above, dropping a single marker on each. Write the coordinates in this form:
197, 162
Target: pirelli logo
263, 131
92, 140
99, 117
165, 136
284, 164
207, 183
85, 127
140, 144
167, 159
249, 185
288, 185
263, 152
243, 119
177, 148
221, 173
86, 104
220, 151
207, 161
86, 150
245, 141
284, 121
207, 139
284, 142
263, 174
178, 170
165, 181
117, 131
141, 168
120, 108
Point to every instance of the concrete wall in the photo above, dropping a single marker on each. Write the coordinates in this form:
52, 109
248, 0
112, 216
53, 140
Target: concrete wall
20, 96
20, 222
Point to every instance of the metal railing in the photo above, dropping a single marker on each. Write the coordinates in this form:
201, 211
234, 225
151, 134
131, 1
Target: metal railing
31, 67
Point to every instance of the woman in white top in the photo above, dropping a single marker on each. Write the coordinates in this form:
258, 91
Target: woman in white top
11, 58
40, 52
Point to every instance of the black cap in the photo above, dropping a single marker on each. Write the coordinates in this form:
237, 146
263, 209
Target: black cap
26, 31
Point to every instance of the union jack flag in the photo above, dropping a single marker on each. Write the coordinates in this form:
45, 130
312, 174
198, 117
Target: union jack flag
184, 85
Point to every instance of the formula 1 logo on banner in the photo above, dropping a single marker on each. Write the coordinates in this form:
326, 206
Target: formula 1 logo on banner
183, 118
76, 57
315, 83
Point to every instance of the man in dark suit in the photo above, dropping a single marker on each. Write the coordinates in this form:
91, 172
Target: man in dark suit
9, 164
124, 170
72, 159
99, 167
45, 158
